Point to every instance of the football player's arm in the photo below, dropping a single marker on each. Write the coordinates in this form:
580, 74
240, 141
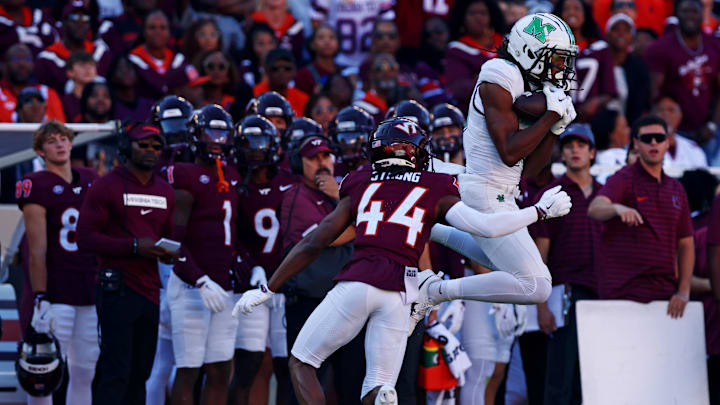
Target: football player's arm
36, 232
310, 247
455, 213
603, 209
502, 122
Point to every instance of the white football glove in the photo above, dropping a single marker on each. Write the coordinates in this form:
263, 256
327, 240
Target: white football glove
455, 312
42, 319
559, 102
521, 316
250, 299
258, 276
554, 203
213, 296
505, 320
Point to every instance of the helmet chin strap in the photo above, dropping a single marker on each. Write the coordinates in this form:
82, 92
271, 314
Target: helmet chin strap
222, 184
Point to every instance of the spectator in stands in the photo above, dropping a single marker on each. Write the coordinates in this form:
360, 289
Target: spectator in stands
129, 24
476, 29
321, 109
645, 210
631, 78
626, 7
710, 21
288, 30
612, 136
567, 245
31, 106
647, 14
81, 70
578, 17
223, 78
684, 65
386, 88
50, 66
430, 70
682, 152
261, 40
123, 85
194, 91
385, 39
159, 68
226, 14
19, 66
323, 47
201, 37
340, 90
95, 103
24, 25
513, 10
281, 69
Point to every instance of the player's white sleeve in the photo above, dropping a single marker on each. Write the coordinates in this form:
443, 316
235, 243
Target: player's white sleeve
489, 225
503, 73
461, 242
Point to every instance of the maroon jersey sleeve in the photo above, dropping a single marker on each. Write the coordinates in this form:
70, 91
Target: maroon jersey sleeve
713, 232
25, 194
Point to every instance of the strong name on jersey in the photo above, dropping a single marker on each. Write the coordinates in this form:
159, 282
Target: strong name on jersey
210, 233
482, 155
70, 271
394, 214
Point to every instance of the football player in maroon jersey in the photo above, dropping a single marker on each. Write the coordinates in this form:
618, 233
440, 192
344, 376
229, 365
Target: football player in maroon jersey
390, 207
62, 276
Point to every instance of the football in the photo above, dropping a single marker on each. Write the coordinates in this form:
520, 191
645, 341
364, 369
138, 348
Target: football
530, 106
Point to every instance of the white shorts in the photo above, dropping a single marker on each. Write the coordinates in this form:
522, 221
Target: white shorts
515, 253
342, 315
76, 328
199, 336
264, 327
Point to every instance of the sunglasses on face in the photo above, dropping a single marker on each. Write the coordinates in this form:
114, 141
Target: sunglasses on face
388, 35
278, 68
214, 66
623, 4
147, 145
648, 138
79, 17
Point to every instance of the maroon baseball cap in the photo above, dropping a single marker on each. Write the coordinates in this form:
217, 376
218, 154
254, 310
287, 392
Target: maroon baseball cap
313, 146
144, 131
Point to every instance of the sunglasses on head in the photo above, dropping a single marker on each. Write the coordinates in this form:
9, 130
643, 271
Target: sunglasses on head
146, 145
278, 68
218, 66
648, 138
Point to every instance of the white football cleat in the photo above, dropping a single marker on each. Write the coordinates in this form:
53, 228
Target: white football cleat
386, 396
423, 304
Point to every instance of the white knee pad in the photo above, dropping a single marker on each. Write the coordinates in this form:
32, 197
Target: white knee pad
386, 396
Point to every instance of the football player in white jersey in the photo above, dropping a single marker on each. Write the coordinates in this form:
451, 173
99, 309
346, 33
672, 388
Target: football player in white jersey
537, 55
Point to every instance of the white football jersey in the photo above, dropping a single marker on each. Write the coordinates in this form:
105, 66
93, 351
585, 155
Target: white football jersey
482, 156
353, 21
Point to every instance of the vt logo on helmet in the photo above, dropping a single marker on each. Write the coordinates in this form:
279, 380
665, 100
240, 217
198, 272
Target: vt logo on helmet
399, 142
544, 48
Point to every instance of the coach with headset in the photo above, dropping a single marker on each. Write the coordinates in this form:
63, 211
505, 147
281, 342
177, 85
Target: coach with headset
124, 214
312, 199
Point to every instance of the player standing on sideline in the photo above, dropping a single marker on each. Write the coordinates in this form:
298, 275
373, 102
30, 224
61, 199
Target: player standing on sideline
539, 53
62, 276
389, 207
201, 283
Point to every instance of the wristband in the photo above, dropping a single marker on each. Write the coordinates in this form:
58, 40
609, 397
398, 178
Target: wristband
540, 213
134, 246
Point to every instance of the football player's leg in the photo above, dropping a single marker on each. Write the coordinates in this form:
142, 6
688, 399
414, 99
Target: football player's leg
64, 319
278, 347
219, 350
83, 354
337, 320
385, 340
190, 323
250, 342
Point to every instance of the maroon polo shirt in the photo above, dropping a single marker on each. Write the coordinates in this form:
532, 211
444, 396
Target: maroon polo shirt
573, 238
301, 211
107, 225
639, 263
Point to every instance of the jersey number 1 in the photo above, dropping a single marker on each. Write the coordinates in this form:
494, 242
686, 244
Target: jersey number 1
374, 215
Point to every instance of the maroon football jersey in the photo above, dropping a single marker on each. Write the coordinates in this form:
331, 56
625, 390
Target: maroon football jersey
70, 271
209, 240
259, 226
394, 214
595, 73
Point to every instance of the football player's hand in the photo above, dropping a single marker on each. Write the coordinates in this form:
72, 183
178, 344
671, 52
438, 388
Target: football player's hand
42, 318
250, 299
327, 184
455, 312
676, 306
257, 276
629, 216
213, 296
146, 248
546, 319
554, 203
557, 101
505, 321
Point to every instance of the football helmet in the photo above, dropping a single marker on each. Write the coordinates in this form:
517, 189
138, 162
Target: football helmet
350, 131
446, 115
211, 132
399, 142
255, 142
412, 110
302, 127
273, 104
172, 115
544, 47
40, 367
